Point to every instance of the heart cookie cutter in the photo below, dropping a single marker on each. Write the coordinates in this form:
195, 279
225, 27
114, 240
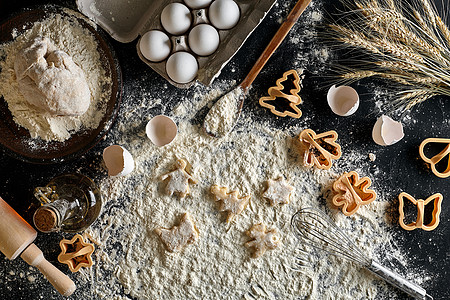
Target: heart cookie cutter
277, 92
352, 192
433, 161
320, 149
419, 223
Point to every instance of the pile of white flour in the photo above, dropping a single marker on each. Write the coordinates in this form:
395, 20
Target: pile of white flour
68, 35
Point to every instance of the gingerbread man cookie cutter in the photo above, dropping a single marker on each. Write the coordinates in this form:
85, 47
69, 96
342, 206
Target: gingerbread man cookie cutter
433, 161
320, 149
76, 253
277, 92
352, 192
420, 204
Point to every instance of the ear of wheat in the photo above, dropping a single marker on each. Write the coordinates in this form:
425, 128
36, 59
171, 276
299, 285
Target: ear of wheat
404, 42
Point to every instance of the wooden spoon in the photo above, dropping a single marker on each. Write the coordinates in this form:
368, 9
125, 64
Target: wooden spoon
225, 112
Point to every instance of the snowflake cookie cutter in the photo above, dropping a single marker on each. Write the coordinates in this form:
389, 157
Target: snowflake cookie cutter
230, 202
433, 161
177, 237
262, 239
320, 149
76, 253
351, 192
277, 92
420, 204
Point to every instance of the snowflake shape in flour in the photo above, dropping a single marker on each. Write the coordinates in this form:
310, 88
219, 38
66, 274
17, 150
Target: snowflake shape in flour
177, 237
179, 179
278, 191
262, 239
231, 202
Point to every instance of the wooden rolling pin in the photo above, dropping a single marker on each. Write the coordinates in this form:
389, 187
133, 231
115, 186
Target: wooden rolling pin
16, 238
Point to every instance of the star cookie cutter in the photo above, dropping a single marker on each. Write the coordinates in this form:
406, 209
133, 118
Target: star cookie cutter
76, 253
177, 237
277, 92
352, 192
262, 239
419, 223
433, 161
320, 149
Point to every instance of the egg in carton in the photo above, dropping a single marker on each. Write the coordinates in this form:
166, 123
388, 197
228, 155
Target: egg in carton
183, 41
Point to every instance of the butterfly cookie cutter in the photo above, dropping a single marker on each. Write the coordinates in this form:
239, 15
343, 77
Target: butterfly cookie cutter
419, 223
76, 253
433, 161
320, 149
352, 192
277, 92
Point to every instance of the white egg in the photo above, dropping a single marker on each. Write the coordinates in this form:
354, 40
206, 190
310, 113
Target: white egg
224, 14
343, 100
155, 45
203, 39
161, 130
176, 18
118, 160
196, 4
387, 131
182, 67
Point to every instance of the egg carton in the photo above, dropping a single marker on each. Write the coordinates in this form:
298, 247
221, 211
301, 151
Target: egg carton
127, 20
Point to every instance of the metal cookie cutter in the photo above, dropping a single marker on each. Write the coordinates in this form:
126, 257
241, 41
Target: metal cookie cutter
419, 223
352, 192
277, 92
433, 161
320, 149
76, 253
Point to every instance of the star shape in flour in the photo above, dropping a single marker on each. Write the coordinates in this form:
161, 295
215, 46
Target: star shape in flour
262, 239
278, 191
179, 179
177, 237
231, 202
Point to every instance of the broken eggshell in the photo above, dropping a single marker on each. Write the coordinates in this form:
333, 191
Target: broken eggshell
387, 131
343, 100
161, 130
118, 160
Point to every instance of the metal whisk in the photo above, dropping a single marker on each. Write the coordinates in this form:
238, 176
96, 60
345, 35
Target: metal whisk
319, 231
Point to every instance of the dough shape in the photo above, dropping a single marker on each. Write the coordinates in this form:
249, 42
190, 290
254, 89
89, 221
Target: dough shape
278, 191
178, 180
50, 81
262, 239
230, 202
176, 238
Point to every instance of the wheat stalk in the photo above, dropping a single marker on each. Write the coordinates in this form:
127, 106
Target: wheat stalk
405, 42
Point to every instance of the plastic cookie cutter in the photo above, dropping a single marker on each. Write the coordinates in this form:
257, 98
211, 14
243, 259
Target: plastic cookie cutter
76, 253
419, 223
320, 149
278, 95
352, 192
433, 161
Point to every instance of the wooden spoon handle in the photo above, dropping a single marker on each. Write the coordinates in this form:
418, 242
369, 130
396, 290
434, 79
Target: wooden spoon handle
62, 283
275, 42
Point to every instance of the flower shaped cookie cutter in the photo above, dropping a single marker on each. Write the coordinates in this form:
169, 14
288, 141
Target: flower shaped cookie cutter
277, 92
76, 253
320, 149
419, 223
352, 192
433, 161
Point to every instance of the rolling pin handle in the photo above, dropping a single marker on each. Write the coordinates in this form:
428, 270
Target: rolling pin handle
62, 283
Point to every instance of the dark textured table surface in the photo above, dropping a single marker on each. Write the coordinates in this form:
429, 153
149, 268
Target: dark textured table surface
402, 168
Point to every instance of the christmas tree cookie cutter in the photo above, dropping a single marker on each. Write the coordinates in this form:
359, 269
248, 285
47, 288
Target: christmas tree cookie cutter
433, 161
320, 149
277, 92
76, 253
420, 204
352, 192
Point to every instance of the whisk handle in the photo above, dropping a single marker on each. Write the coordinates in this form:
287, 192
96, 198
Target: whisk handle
398, 281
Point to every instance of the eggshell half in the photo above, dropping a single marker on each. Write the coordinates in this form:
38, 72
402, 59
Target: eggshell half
387, 131
343, 100
161, 130
118, 161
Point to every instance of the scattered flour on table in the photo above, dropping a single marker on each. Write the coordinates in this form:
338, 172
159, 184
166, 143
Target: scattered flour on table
66, 33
